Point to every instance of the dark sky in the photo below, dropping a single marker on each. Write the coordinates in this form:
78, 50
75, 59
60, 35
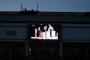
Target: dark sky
47, 5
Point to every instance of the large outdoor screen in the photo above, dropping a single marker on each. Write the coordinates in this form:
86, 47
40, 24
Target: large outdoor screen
44, 31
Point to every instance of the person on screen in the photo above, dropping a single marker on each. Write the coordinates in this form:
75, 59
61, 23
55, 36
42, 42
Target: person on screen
35, 32
45, 29
50, 29
39, 31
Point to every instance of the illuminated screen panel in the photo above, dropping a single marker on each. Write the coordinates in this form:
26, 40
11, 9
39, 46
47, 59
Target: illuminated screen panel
44, 31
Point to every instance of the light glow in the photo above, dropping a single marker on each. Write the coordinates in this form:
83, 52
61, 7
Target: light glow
48, 33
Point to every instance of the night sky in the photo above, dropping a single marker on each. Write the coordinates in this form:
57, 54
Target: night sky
47, 5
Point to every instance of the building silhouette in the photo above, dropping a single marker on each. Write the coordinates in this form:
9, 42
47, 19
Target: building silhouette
16, 30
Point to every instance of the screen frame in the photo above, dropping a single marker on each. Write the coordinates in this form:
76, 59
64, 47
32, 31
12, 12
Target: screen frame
33, 23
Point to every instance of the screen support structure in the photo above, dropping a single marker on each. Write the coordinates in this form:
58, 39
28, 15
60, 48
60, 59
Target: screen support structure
61, 43
27, 44
59, 40
61, 50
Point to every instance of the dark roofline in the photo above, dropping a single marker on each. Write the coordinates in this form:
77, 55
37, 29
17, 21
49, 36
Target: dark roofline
45, 13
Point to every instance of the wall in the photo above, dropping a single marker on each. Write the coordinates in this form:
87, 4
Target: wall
59, 19
76, 32
20, 29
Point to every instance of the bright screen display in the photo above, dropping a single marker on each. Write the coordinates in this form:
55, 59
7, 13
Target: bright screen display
44, 31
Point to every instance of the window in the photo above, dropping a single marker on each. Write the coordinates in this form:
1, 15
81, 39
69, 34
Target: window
10, 33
